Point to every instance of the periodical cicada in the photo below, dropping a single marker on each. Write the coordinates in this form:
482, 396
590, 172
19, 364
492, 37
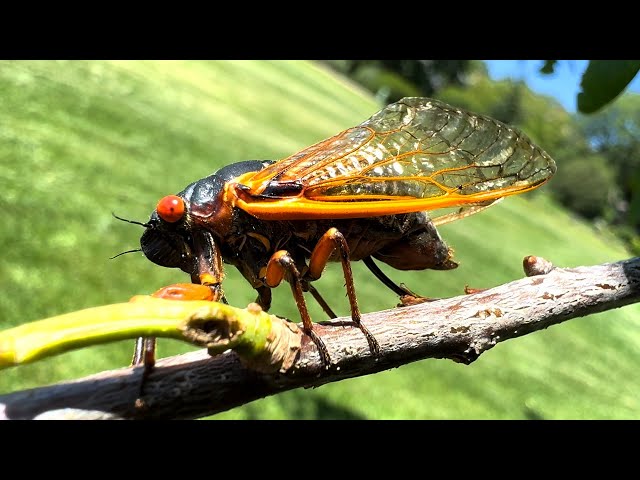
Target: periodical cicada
366, 193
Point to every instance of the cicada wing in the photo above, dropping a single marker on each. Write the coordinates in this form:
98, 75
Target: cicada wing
300, 166
416, 154
443, 217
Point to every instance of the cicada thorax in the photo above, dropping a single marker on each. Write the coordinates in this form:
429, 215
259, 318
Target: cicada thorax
403, 241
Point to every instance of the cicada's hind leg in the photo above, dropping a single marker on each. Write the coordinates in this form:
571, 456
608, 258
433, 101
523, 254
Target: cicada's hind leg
420, 249
400, 290
330, 242
321, 301
282, 266
407, 296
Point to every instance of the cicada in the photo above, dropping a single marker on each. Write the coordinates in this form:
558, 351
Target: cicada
374, 191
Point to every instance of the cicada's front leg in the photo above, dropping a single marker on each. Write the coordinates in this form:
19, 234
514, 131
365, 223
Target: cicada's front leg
145, 348
207, 285
144, 353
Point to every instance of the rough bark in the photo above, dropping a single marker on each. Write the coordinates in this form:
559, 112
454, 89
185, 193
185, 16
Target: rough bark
459, 328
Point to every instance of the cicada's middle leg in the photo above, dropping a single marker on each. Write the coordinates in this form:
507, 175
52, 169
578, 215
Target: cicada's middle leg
282, 265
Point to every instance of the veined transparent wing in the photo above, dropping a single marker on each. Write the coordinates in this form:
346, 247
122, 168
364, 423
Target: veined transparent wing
416, 154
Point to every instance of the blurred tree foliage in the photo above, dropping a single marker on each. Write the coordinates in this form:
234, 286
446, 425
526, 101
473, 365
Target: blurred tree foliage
586, 181
390, 80
598, 155
602, 81
614, 133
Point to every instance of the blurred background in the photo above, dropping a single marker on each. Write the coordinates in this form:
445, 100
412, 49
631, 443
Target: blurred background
79, 140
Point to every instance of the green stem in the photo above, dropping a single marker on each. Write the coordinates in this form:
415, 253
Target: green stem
203, 323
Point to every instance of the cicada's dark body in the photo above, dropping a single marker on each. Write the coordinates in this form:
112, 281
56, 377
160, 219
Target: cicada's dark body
372, 191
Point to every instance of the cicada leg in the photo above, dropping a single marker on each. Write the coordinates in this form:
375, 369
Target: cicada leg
321, 301
407, 296
264, 298
144, 353
418, 250
400, 290
331, 241
145, 349
470, 291
282, 266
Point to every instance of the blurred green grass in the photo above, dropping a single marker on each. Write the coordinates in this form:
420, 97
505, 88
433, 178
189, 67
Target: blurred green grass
79, 140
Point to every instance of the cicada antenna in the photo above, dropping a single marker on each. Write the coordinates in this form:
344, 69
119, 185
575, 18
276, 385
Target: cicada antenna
128, 251
145, 225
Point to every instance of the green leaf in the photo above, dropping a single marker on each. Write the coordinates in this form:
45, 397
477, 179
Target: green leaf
604, 80
549, 67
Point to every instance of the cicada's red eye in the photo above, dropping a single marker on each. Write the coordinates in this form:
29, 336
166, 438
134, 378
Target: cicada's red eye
171, 208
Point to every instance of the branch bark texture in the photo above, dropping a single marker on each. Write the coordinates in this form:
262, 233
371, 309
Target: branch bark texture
459, 328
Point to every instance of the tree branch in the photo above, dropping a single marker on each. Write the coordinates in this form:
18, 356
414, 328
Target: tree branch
460, 328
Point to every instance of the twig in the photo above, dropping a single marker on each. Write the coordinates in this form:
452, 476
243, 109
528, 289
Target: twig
460, 328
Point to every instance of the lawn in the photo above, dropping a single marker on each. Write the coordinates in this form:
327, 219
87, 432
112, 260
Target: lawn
79, 140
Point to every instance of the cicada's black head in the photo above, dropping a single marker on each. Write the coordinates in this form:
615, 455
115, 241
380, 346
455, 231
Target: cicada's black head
167, 244
168, 240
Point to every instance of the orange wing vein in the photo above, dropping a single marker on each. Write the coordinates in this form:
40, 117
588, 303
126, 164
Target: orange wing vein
416, 154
